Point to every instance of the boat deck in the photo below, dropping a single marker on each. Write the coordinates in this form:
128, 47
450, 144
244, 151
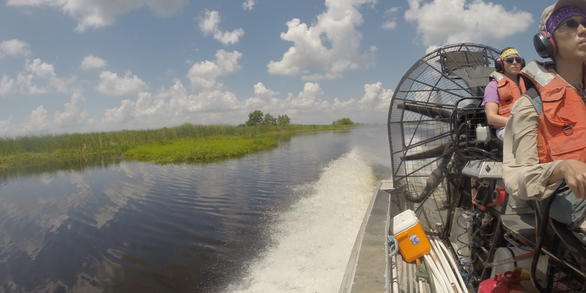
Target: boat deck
368, 261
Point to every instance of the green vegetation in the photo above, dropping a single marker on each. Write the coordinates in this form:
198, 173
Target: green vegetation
256, 118
283, 120
343, 121
185, 143
201, 149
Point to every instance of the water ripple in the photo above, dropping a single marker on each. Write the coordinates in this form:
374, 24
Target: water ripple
149, 228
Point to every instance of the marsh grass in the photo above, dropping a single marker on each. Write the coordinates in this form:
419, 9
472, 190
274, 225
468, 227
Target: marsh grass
200, 149
185, 143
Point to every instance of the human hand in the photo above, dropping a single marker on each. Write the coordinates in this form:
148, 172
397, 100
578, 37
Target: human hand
574, 173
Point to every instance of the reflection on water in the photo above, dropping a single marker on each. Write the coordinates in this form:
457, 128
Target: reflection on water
75, 165
142, 227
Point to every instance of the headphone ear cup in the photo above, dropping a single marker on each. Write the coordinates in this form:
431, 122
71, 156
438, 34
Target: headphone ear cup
498, 65
544, 45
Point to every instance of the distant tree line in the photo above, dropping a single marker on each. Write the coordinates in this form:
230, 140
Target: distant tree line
257, 118
343, 121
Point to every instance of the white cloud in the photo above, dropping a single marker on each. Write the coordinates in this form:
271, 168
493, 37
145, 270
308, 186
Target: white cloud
25, 84
209, 25
375, 97
73, 118
73, 115
95, 14
5, 127
37, 119
308, 98
390, 22
207, 102
14, 48
204, 75
6, 84
389, 25
260, 90
114, 85
441, 22
248, 5
172, 106
312, 106
176, 105
40, 68
38, 77
328, 48
148, 108
92, 62
263, 98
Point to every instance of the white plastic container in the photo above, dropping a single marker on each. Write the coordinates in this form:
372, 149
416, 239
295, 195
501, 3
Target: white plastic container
482, 132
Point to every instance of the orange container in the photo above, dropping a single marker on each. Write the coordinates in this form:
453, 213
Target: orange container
411, 238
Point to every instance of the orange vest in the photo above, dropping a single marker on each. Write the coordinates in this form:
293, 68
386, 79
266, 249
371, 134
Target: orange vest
508, 92
561, 132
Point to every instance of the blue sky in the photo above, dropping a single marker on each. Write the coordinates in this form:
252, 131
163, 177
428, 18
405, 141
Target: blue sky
94, 65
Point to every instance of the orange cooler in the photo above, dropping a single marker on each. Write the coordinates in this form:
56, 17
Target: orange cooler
410, 236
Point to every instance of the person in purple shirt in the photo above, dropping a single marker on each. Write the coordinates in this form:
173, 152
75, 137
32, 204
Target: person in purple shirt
504, 89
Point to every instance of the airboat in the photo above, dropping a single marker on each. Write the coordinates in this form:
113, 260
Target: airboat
447, 169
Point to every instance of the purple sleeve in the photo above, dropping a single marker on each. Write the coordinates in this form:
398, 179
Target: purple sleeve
490, 93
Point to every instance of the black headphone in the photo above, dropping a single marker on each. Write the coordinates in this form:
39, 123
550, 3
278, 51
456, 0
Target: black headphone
499, 65
545, 45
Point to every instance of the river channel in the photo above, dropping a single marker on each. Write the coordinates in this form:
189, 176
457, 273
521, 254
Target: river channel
283, 220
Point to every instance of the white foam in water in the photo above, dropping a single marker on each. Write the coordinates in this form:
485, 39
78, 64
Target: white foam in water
314, 239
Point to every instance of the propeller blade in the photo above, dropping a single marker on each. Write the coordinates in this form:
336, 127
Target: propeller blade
435, 112
427, 154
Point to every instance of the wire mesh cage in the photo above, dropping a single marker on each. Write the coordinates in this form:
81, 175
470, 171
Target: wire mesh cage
469, 125
444, 86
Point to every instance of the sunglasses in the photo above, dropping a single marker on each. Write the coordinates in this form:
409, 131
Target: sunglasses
573, 24
519, 60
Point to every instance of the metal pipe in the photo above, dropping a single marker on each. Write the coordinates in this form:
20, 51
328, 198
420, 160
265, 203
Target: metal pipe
454, 266
395, 270
443, 266
435, 285
443, 283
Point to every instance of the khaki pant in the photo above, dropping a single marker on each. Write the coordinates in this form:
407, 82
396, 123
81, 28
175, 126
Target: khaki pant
567, 209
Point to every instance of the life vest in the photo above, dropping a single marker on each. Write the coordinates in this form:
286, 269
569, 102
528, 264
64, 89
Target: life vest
561, 131
508, 92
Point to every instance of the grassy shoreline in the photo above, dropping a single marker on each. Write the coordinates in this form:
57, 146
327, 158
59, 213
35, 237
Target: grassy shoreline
182, 144
200, 149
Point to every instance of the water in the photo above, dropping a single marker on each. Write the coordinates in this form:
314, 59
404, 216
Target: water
278, 221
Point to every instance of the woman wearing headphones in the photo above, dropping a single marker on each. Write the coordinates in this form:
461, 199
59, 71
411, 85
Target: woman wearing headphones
504, 89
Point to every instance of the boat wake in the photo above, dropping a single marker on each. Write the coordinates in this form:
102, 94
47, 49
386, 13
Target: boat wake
313, 240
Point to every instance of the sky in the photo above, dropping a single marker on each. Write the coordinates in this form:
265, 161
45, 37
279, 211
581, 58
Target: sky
100, 65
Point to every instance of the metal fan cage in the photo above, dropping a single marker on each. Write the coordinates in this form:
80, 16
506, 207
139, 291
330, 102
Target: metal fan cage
423, 108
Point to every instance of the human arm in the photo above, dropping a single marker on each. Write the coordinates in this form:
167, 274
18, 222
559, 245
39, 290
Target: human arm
491, 105
574, 173
491, 109
523, 175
